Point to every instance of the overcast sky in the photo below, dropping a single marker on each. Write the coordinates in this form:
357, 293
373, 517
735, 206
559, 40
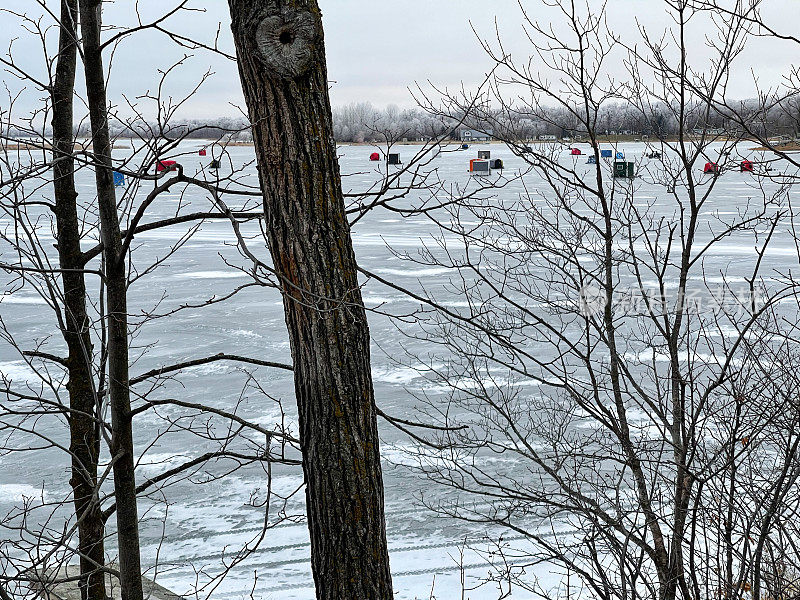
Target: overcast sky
378, 48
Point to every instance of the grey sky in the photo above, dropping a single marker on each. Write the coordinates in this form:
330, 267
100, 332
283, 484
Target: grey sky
377, 48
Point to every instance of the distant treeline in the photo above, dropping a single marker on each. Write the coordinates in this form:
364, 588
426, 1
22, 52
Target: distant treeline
362, 122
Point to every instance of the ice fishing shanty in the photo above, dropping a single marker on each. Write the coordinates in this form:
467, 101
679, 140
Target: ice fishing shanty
623, 169
166, 165
480, 166
393, 158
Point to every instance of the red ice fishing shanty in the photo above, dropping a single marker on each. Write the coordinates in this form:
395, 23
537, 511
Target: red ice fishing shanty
166, 165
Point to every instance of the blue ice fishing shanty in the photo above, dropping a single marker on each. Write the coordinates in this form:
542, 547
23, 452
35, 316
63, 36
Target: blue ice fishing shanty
119, 179
620, 156
606, 153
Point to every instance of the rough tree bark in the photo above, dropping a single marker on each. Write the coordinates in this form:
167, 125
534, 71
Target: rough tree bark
282, 66
117, 306
84, 434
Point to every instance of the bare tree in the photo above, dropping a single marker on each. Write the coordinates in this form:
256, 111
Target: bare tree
282, 65
38, 533
84, 429
626, 390
115, 281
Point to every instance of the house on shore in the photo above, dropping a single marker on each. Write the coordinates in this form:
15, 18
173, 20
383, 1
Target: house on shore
473, 135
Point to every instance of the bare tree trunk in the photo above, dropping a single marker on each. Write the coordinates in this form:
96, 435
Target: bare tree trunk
282, 66
116, 297
84, 434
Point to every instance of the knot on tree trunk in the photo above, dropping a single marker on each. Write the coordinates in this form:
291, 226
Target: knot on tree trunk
286, 42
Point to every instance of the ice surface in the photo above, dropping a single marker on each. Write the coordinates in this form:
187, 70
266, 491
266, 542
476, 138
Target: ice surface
206, 521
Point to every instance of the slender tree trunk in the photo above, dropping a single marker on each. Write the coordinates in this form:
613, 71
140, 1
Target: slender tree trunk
84, 434
117, 306
282, 67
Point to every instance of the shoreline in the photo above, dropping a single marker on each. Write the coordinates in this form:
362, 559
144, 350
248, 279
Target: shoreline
205, 142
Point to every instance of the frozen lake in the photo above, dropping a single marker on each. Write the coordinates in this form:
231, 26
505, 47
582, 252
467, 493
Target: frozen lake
203, 521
